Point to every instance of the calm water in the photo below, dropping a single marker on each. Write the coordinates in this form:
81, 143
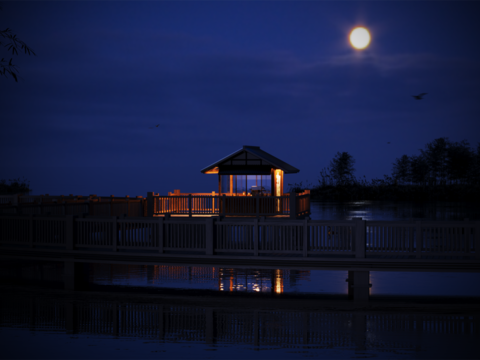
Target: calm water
389, 210
116, 329
42, 326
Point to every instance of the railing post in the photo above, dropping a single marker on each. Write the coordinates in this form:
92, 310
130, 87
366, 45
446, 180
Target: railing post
293, 205
213, 202
305, 236
209, 235
114, 233
190, 205
255, 236
418, 239
160, 234
150, 205
69, 228
257, 205
360, 237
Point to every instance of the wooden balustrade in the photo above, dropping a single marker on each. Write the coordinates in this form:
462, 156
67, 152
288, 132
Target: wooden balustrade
193, 204
251, 237
154, 204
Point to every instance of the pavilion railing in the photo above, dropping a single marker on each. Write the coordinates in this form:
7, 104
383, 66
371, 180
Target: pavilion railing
292, 204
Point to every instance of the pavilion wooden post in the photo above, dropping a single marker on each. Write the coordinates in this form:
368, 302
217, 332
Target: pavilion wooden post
213, 202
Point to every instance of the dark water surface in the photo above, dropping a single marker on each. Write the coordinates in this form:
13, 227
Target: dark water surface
394, 210
39, 325
99, 327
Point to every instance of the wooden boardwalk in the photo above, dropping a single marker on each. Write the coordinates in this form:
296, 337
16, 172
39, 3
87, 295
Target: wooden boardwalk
246, 242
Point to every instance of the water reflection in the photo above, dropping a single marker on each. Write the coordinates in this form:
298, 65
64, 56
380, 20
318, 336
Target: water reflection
309, 332
199, 277
393, 210
240, 280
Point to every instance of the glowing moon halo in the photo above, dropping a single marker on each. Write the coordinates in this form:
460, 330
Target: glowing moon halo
360, 38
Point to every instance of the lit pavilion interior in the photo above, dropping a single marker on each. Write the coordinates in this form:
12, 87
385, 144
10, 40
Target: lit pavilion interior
250, 171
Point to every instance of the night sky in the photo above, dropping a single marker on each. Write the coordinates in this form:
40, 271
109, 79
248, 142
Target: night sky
217, 75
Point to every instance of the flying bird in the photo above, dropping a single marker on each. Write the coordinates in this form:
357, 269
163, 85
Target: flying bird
155, 126
388, 142
419, 96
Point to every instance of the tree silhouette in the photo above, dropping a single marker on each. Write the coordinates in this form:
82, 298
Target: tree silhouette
418, 169
401, 169
341, 168
16, 186
460, 160
10, 42
435, 154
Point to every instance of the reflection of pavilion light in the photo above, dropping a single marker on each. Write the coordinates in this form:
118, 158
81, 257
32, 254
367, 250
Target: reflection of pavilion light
278, 281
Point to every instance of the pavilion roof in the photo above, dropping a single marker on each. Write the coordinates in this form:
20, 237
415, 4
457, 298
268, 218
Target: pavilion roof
249, 160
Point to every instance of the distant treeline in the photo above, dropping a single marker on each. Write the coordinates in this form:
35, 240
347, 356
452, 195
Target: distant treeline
15, 186
444, 170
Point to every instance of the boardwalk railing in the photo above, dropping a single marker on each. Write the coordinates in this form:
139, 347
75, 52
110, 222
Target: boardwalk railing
246, 237
293, 205
92, 205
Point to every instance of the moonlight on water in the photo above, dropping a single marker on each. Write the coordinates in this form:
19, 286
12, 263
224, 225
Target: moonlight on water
360, 38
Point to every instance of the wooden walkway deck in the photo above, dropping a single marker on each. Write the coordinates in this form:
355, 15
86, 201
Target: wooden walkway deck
285, 243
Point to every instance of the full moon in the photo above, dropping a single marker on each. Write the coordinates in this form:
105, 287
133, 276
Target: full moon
360, 38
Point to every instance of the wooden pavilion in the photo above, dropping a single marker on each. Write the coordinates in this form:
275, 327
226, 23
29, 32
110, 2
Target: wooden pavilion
250, 171
250, 183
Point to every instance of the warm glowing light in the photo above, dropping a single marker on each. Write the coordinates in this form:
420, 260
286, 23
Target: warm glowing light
360, 38
212, 171
278, 281
278, 183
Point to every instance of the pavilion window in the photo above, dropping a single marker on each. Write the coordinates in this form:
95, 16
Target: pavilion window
241, 185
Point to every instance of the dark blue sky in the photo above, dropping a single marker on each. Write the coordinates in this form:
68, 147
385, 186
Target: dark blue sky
221, 74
